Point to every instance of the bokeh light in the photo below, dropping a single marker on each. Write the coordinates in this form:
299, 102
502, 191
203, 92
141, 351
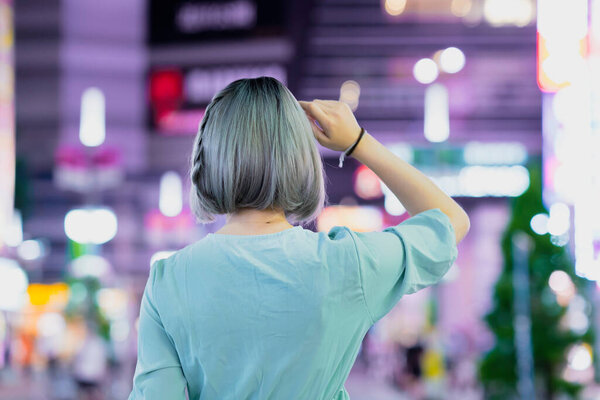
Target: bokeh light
580, 357
452, 60
13, 285
559, 281
95, 225
539, 223
92, 129
461, 8
350, 94
395, 7
509, 12
425, 71
31, 250
437, 113
559, 221
170, 200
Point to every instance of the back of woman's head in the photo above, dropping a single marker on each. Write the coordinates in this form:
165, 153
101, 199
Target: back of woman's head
255, 149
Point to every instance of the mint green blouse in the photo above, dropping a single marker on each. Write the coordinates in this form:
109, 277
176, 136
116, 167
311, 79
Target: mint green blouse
281, 315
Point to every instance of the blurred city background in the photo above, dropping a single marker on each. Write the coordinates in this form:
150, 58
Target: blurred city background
498, 101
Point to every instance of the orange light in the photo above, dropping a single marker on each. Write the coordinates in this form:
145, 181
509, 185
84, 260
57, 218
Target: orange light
56, 294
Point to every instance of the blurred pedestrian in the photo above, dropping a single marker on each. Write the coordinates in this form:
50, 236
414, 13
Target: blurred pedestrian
90, 365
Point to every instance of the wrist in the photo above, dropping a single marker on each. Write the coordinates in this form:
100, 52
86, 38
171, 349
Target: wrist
361, 149
348, 151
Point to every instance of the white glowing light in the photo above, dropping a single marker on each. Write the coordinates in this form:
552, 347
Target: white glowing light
51, 324
570, 16
425, 71
559, 221
578, 304
560, 281
567, 105
578, 322
30, 250
119, 330
14, 232
452, 60
92, 129
508, 12
494, 153
91, 225
161, 255
437, 114
579, 358
480, 181
350, 94
595, 20
563, 67
539, 223
170, 200
90, 265
112, 302
395, 7
392, 205
13, 285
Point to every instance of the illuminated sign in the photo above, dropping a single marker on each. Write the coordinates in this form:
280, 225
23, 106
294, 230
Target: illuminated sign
178, 97
179, 21
568, 54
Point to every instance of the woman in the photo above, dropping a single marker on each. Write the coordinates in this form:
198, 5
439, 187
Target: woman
263, 309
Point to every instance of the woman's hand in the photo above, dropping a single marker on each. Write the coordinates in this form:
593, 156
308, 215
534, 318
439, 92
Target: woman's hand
337, 129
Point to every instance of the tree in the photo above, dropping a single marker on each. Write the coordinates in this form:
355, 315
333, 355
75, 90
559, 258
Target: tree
550, 338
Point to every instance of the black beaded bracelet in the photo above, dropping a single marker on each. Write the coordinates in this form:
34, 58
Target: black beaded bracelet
349, 150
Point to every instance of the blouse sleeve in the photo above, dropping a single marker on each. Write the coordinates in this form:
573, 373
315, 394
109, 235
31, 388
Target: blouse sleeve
403, 259
158, 373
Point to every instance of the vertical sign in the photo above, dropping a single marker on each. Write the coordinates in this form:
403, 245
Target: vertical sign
587, 212
568, 58
7, 120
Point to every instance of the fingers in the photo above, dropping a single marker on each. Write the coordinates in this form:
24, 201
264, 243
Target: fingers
318, 133
315, 111
328, 104
316, 129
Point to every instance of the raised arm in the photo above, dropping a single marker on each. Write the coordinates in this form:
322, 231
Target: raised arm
337, 129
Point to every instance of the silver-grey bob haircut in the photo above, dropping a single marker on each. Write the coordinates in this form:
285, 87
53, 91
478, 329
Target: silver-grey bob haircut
255, 149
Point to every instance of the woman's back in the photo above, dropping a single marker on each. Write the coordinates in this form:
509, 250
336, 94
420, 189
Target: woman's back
281, 315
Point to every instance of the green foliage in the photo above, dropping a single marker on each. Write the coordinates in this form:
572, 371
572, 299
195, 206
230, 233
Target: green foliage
86, 305
550, 341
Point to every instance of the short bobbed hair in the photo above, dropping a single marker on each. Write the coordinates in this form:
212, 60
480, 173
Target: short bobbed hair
255, 149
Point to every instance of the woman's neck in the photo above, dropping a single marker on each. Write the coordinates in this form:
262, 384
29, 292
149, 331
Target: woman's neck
255, 222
